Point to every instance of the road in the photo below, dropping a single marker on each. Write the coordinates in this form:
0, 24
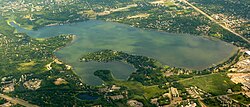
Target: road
227, 94
240, 92
212, 19
204, 105
201, 103
17, 101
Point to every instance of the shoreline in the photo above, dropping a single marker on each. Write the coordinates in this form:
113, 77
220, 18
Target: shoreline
54, 57
148, 29
233, 58
154, 30
74, 37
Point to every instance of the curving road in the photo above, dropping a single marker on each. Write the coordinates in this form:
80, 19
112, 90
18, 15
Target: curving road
17, 101
212, 19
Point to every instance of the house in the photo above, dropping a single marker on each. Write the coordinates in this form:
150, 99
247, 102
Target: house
248, 52
116, 97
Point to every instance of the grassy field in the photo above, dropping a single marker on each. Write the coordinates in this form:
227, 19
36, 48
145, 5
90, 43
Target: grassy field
169, 3
26, 66
139, 89
216, 84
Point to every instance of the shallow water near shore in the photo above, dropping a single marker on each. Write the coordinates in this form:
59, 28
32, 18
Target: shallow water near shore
179, 50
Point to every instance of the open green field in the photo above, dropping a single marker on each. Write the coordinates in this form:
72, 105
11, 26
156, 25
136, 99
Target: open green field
169, 3
139, 89
216, 84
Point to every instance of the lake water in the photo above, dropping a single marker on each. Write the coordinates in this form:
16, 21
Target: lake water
84, 96
179, 50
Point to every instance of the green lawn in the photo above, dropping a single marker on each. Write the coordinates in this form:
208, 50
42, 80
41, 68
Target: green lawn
216, 84
169, 3
139, 89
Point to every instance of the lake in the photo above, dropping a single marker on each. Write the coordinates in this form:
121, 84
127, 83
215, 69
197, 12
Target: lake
178, 50
84, 96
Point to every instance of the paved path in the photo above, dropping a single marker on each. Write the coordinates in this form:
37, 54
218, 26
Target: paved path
17, 101
212, 19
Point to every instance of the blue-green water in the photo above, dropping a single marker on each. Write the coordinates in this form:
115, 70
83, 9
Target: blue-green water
83, 96
177, 50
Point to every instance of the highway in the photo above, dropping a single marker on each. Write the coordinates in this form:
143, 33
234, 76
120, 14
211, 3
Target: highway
212, 19
17, 101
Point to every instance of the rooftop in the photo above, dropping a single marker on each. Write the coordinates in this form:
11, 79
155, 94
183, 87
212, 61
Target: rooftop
248, 52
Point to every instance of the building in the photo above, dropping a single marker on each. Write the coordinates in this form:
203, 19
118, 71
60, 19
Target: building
134, 103
116, 97
248, 52
174, 92
33, 84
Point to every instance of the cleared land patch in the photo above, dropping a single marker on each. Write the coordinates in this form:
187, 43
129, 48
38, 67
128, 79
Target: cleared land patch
216, 84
